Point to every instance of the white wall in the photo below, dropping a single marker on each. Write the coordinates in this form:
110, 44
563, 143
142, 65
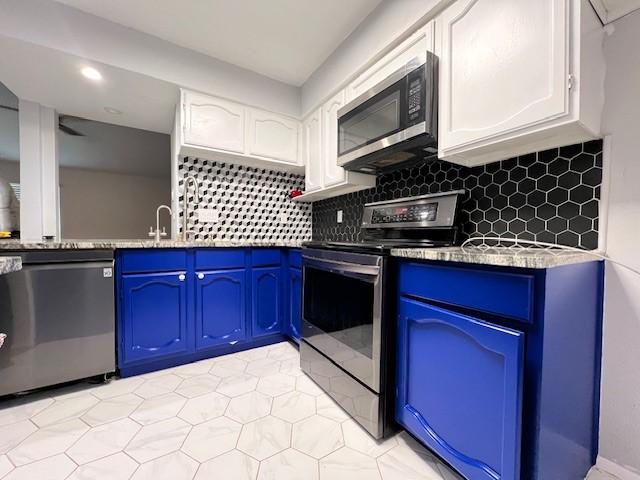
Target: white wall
109, 205
53, 25
97, 204
620, 401
10, 170
391, 22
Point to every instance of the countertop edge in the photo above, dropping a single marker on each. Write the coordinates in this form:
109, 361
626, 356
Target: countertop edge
521, 259
134, 244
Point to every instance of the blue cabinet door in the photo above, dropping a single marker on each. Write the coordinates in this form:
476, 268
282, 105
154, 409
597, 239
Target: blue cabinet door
154, 310
266, 306
220, 308
295, 300
460, 389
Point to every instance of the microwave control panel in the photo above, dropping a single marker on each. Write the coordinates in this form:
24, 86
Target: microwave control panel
416, 95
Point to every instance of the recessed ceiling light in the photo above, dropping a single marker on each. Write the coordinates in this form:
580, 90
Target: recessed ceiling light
115, 111
91, 73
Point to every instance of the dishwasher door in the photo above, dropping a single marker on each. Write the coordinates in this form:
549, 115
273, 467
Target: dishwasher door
58, 315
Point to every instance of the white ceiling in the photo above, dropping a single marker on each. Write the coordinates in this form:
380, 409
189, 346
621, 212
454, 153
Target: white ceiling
52, 78
282, 39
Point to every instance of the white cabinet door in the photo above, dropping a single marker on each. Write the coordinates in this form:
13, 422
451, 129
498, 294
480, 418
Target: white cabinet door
333, 173
420, 42
273, 136
504, 66
312, 148
213, 123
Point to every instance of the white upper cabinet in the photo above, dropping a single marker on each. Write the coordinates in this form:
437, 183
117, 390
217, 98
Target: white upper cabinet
224, 130
514, 78
312, 148
420, 42
272, 136
333, 173
323, 177
213, 122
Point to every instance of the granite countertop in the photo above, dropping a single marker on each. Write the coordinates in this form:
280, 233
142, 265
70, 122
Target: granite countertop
503, 257
10, 264
133, 243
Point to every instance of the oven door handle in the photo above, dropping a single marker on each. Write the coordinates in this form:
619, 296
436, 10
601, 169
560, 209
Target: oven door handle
345, 268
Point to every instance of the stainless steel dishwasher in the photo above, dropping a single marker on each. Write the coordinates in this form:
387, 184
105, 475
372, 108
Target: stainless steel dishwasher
58, 315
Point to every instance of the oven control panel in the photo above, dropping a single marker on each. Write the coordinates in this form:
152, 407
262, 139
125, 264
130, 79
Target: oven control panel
428, 211
405, 214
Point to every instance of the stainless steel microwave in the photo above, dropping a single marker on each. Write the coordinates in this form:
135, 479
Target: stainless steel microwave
393, 123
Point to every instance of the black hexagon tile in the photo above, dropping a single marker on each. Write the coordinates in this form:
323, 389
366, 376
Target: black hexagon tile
551, 196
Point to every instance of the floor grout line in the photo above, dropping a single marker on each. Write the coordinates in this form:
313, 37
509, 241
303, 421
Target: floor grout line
277, 351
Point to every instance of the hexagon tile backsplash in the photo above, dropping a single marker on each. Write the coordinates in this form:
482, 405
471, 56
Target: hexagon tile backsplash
551, 196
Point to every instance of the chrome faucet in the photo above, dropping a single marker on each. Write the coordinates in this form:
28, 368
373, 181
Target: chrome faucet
185, 203
157, 234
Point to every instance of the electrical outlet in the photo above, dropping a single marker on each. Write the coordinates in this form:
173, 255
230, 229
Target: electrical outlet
339, 216
208, 215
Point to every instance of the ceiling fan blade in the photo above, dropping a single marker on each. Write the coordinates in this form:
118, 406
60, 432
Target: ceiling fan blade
69, 130
61, 126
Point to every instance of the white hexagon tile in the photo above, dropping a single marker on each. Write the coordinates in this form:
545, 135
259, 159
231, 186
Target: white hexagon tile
245, 416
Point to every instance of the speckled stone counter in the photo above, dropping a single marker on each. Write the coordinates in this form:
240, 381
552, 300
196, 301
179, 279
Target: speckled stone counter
115, 244
10, 264
503, 257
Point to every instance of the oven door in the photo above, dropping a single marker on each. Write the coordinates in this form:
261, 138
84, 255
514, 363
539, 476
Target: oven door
342, 310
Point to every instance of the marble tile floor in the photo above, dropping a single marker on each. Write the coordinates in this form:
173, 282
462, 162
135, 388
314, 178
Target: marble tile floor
248, 415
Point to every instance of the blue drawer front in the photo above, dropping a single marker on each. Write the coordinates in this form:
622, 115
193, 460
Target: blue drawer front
265, 257
505, 294
295, 258
217, 258
460, 389
164, 260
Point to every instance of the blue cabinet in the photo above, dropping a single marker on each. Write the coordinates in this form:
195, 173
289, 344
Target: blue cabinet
181, 305
220, 308
294, 312
266, 306
154, 310
498, 368
460, 389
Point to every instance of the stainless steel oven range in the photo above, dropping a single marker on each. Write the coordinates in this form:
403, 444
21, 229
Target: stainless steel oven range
348, 318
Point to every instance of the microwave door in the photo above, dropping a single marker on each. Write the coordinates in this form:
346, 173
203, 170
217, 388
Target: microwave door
372, 122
